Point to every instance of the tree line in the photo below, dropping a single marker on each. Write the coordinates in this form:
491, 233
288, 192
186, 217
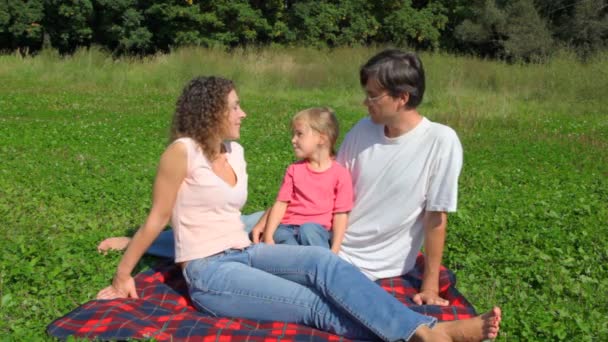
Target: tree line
527, 30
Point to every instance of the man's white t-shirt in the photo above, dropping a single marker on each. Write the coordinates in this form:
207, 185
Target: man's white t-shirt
395, 180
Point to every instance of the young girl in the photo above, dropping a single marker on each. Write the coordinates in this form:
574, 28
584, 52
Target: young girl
201, 186
313, 203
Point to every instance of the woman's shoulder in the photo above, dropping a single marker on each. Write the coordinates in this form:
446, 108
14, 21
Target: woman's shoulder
234, 147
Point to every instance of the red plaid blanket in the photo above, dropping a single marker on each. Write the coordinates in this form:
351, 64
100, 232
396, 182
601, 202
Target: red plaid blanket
164, 313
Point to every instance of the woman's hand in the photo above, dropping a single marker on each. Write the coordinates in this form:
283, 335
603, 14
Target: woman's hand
122, 287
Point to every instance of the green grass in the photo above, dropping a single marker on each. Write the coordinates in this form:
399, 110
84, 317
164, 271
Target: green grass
80, 138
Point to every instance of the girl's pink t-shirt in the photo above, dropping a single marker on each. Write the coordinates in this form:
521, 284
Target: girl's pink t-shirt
315, 196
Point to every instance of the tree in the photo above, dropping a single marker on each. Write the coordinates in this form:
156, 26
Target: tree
240, 24
120, 26
332, 23
406, 25
528, 37
483, 32
589, 27
68, 23
20, 24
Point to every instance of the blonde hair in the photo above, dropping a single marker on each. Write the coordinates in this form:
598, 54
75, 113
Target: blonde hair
322, 120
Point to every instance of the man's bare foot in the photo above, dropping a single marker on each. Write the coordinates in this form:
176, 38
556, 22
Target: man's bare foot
478, 328
114, 243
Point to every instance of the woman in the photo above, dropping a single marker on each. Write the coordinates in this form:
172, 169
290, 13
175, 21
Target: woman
201, 186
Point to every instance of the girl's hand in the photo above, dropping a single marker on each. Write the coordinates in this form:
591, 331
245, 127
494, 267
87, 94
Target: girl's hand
269, 241
257, 233
122, 287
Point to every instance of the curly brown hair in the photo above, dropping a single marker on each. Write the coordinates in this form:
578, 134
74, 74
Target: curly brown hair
200, 113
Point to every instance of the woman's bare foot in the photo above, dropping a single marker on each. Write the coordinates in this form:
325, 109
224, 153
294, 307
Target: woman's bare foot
114, 243
478, 328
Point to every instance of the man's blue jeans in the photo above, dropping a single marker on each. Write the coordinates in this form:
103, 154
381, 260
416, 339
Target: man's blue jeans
307, 234
306, 285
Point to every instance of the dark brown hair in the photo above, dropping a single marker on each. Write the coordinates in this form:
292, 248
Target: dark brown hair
398, 72
200, 113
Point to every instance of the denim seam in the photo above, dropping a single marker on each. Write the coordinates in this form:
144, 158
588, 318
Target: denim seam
350, 311
321, 283
250, 295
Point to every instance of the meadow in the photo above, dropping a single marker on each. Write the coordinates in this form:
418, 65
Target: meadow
80, 138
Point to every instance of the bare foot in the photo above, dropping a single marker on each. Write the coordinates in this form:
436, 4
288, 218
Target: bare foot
478, 328
114, 243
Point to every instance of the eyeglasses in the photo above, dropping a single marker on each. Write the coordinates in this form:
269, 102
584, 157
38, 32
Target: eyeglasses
375, 98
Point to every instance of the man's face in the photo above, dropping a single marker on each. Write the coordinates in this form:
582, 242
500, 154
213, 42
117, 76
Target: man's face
381, 106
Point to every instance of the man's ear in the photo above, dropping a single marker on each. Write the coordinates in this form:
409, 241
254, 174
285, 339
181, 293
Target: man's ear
405, 99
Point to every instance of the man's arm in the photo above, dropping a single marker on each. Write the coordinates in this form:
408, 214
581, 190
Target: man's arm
434, 225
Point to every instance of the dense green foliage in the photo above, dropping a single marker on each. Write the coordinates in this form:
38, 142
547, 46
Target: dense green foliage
80, 138
519, 30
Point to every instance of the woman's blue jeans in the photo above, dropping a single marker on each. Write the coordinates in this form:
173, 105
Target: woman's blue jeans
299, 284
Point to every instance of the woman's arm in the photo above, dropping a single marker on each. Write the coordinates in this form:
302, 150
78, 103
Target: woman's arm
274, 219
171, 172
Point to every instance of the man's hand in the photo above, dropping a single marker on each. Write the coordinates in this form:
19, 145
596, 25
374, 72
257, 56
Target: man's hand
429, 297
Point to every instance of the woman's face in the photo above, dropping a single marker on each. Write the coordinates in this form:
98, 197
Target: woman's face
234, 117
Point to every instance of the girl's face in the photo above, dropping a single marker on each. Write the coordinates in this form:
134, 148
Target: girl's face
305, 140
234, 117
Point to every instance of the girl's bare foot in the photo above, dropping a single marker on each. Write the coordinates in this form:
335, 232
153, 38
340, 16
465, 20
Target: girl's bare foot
478, 328
114, 243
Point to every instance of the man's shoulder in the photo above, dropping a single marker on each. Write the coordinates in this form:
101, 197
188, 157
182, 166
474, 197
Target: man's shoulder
442, 132
362, 129
365, 123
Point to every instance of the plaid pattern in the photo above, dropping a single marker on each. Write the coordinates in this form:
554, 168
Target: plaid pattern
165, 313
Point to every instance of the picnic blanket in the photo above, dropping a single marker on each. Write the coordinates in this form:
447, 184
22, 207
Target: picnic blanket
164, 313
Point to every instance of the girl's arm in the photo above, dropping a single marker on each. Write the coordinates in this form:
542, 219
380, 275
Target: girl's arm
171, 172
258, 229
274, 219
340, 221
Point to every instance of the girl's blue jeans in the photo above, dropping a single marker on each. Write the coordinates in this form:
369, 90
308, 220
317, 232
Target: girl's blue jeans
307, 285
307, 234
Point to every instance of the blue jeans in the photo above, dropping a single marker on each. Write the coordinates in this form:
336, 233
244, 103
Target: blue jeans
307, 234
308, 285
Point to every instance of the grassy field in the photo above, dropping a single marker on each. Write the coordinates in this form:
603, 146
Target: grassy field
80, 138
